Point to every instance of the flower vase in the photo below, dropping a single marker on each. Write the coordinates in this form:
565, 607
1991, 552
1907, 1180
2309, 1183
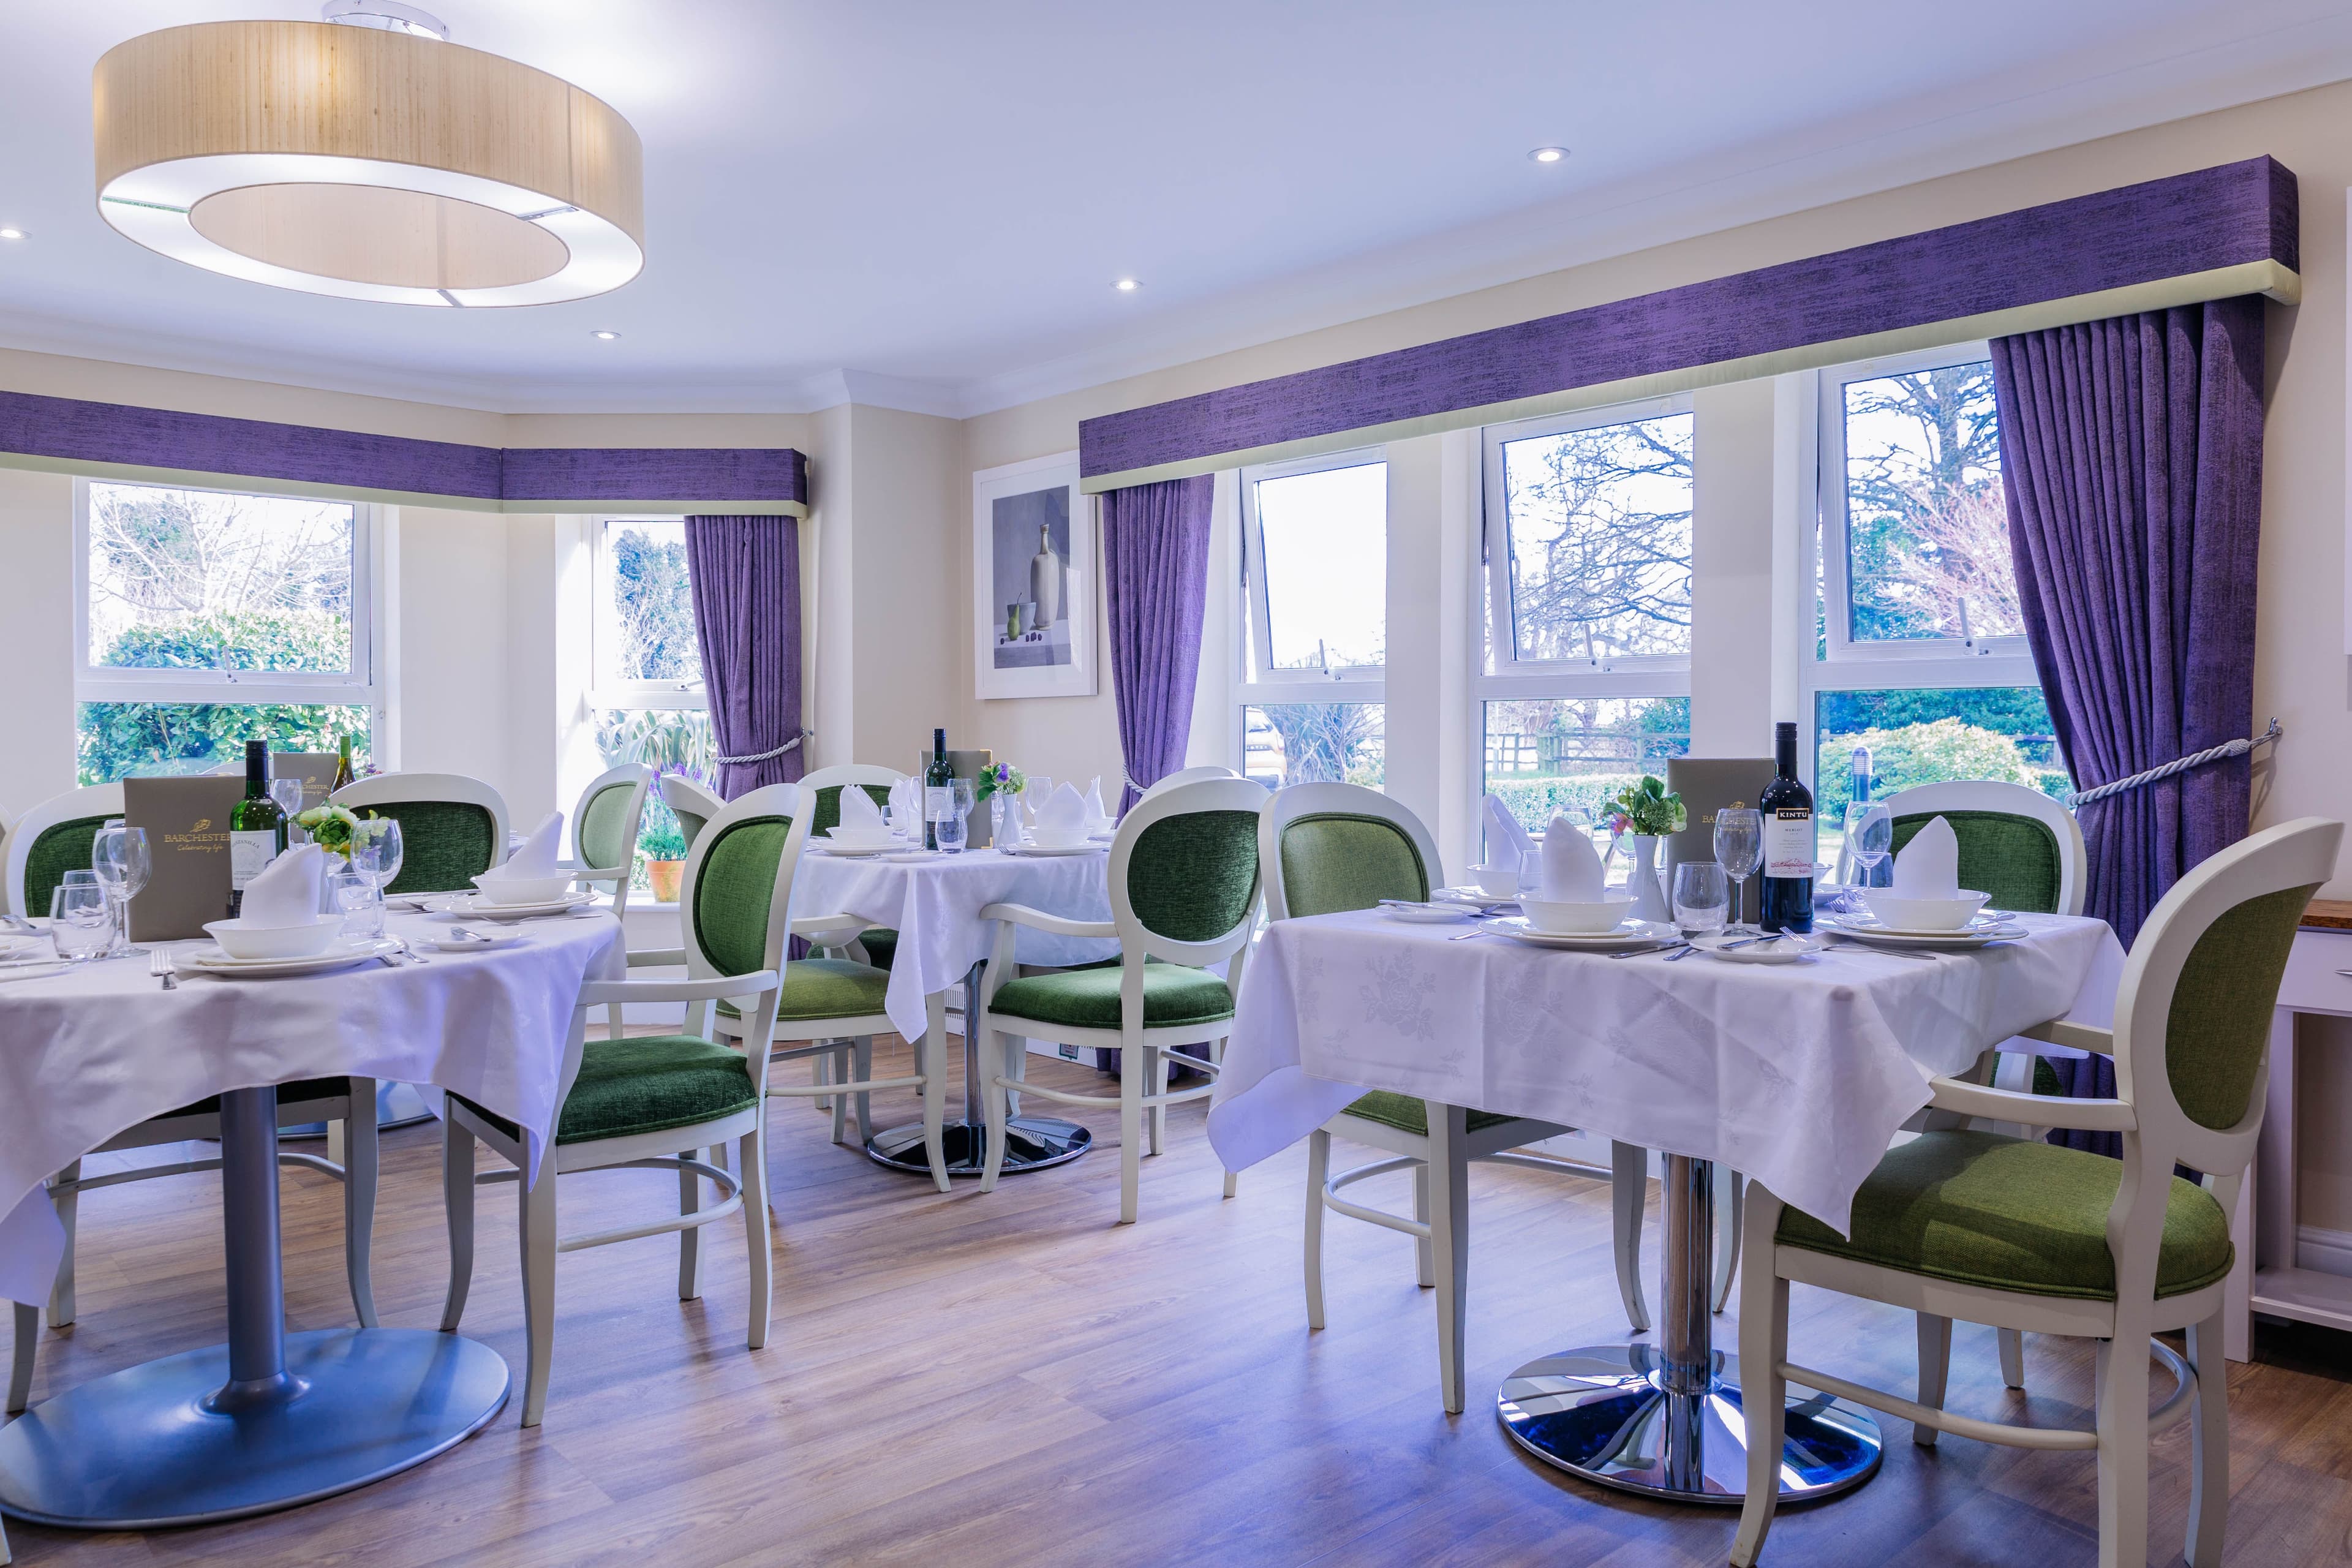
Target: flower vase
1645, 882
999, 813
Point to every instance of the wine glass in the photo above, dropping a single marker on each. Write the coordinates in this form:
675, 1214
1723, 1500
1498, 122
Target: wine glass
118, 859
382, 835
1739, 850
81, 922
1040, 790
954, 827
1702, 898
1869, 838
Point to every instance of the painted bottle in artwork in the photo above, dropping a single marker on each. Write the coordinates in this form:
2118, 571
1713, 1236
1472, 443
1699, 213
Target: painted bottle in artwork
1045, 580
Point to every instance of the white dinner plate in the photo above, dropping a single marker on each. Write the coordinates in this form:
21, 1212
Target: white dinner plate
1040, 850
911, 856
346, 951
1631, 934
1426, 914
1864, 928
859, 852
476, 942
1782, 950
16, 949
473, 906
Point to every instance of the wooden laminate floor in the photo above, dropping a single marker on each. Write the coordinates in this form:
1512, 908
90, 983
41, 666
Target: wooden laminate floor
1012, 1378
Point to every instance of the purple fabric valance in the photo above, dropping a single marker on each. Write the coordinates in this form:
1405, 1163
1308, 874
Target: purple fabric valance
2213, 233
65, 431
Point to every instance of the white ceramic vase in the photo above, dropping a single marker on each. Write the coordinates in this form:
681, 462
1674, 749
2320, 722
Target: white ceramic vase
1647, 882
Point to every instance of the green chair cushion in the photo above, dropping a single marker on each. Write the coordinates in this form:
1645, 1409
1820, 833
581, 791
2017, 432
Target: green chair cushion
735, 890
646, 1084
827, 988
2014, 859
881, 945
1408, 1114
62, 847
444, 844
1345, 860
1173, 995
1194, 878
605, 838
1977, 1208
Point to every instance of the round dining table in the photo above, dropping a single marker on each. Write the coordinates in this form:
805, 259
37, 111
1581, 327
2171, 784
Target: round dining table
268, 1419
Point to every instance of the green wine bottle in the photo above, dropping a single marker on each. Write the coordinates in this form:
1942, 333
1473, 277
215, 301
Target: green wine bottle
257, 828
938, 789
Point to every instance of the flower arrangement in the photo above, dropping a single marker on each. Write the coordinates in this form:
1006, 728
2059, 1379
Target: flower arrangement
331, 827
1001, 779
1645, 809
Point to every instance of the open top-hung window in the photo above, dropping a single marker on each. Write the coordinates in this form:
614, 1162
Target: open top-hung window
1315, 572
1919, 671
208, 617
1586, 684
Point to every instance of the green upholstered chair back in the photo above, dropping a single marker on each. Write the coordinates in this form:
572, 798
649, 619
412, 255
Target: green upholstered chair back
606, 821
2220, 1022
444, 844
736, 882
825, 810
1192, 877
59, 848
1333, 860
2014, 859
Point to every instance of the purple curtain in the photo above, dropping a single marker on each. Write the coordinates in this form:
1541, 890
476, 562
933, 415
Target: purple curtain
746, 575
2132, 455
1156, 554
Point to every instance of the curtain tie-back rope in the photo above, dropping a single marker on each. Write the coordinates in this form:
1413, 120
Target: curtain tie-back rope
763, 756
2177, 765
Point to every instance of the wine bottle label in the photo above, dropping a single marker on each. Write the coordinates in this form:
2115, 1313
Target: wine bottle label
1789, 843
939, 804
249, 854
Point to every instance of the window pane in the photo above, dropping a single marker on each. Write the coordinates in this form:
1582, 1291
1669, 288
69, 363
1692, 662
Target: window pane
125, 740
1327, 572
1927, 525
200, 580
1930, 737
1314, 742
1599, 527
1560, 753
653, 603
670, 741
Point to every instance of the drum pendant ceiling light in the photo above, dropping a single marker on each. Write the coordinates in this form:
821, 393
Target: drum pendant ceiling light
367, 164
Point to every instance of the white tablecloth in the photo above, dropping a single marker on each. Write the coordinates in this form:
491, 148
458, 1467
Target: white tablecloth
934, 906
93, 1050
1797, 1075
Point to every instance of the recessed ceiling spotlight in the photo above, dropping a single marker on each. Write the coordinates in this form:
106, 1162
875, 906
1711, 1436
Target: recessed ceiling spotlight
12, 234
1548, 154
604, 335
1126, 285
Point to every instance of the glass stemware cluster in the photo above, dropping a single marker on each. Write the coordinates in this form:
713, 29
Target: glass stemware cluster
374, 862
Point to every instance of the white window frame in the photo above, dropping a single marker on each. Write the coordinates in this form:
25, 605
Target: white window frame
607, 689
355, 688
1922, 664
1504, 673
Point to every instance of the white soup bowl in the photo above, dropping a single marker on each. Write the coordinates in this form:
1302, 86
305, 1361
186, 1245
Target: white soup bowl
521, 889
1577, 920
1498, 881
1923, 914
307, 940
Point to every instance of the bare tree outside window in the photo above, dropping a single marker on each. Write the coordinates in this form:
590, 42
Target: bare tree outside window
1601, 540
653, 601
198, 579
1927, 525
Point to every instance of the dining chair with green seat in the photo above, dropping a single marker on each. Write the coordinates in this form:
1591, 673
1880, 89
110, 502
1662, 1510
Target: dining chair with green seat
877, 945
691, 803
653, 1102
1970, 1225
1330, 847
51, 840
452, 827
1183, 883
604, 825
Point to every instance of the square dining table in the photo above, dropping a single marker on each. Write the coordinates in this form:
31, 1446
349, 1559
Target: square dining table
1796, 1074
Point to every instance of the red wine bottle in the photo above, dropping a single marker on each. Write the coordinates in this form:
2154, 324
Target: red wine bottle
938, 789
1788, 842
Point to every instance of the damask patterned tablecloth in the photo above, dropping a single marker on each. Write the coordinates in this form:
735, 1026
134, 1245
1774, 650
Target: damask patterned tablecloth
1795, 1074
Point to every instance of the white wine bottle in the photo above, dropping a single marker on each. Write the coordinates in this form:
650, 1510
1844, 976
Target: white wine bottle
1045, 579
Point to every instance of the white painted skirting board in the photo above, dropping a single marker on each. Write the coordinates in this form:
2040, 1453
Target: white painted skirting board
2324, 1251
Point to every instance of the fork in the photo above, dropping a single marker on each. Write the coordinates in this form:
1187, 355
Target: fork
159, 965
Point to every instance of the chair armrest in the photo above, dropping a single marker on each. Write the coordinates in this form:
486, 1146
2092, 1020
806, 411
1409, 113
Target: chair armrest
597, 993
597, 874
2032, 1109
657, 958
1021, 914
2081, 1037
815, 926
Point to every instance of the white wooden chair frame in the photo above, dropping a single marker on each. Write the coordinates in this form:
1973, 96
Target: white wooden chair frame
1143, 1052
682, 793
91, 800
641, 779
744, 1189
2156, 1133
1183, 776
392, 789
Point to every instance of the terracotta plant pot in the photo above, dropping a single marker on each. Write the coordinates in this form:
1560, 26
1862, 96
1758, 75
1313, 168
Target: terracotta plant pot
664, 875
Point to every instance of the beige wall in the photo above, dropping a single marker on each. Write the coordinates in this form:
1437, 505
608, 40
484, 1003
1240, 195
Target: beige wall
36, 703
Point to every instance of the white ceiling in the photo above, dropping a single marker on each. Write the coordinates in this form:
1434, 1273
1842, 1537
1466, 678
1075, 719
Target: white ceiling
923, 203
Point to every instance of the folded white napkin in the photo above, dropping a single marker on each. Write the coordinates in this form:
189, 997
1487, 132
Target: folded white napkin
1065, 811
539, 853
859, 811
1571, 867
1507, 843
1095, 814
1929, 866
287, 893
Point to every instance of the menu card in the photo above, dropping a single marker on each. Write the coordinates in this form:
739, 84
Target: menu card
315, 769
1708, 786
187, 821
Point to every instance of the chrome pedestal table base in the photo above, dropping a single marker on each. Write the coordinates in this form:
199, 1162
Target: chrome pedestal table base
261, 1423
1665, 1420
1031, 1142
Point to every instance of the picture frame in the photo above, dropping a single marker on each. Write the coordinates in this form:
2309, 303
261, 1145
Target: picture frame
1033, 585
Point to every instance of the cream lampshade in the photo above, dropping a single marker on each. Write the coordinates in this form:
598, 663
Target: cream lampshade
366, 164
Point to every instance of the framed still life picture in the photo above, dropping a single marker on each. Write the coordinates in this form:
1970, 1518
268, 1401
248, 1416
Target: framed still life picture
1033, 579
